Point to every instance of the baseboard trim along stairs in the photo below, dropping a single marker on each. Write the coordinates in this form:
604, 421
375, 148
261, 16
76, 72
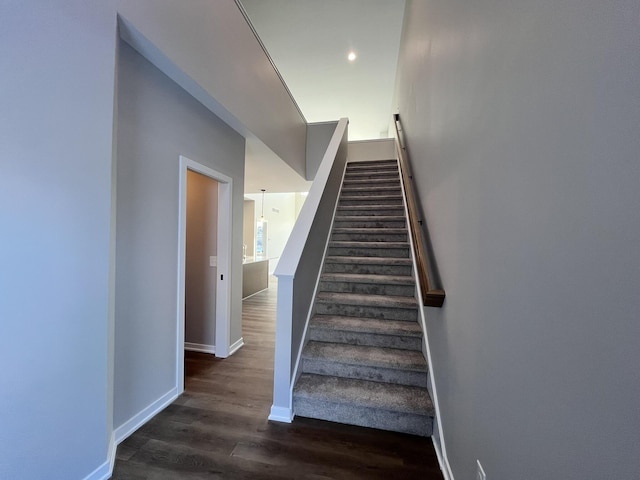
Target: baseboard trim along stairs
363, 362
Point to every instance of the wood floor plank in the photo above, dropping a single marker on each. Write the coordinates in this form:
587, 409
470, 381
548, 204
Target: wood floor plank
218, 429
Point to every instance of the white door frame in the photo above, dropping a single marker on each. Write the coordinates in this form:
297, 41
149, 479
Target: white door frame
223, 285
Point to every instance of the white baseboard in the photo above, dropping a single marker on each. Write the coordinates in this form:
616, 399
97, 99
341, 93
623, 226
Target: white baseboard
135, 422
236, 346
281, 414
199, 347
104, 471
445, 468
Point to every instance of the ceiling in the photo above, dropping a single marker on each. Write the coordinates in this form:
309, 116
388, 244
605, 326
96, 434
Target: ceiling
308, 40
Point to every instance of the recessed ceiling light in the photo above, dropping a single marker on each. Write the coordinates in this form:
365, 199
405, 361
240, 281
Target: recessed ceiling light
352, 56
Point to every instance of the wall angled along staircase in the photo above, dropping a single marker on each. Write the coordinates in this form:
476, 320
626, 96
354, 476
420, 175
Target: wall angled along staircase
363, 364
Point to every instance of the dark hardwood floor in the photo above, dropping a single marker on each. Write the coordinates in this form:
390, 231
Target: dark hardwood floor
218, 429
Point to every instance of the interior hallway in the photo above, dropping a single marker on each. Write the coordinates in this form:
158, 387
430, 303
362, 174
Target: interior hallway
218, 429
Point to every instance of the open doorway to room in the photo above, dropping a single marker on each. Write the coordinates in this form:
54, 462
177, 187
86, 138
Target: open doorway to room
201, 262
204, 252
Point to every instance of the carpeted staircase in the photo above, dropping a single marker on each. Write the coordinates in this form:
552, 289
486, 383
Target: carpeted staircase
363, 363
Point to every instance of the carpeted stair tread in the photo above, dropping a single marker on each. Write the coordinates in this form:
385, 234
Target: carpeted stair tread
372, 230
375, 230
368, 278
395, 180
355, 244
367, 325
370, 189
368, 265
369, 260
366, 331
393, 167
387, 396
363, 199
366, 356
370, 209
372, 164
368, 300
371, 218
384, 161
372, 175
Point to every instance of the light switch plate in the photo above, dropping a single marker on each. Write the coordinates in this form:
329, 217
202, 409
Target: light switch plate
213, 261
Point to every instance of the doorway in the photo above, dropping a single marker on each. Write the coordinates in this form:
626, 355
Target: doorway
216, 329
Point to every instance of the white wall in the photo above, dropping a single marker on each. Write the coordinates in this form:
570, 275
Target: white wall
201, 243
279, 223
158, 122
300, 198
364, 150
522, 122
249, 226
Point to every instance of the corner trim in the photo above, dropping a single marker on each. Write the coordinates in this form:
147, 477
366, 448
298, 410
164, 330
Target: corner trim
104, 471
135, 422
281, 414
235, 346
199, 347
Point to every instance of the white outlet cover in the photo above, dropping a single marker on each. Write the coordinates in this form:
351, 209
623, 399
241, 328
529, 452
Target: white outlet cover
480, 475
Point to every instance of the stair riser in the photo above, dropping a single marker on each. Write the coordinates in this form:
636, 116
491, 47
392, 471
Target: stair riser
368, 252
363, 416
368, 288
369, 237
364, 338
367, 311
346, 200
367, 269
370, 223
363, 372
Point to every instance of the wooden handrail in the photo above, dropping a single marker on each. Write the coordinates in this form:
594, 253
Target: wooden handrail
431, 297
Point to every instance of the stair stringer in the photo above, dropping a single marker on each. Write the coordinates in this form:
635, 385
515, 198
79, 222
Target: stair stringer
305, 334
437, 436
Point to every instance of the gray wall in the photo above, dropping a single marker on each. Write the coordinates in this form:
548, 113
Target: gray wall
318, 138
158, 122
199, 48
57, 203
522, 121
56, 113
313, 254
201, 243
